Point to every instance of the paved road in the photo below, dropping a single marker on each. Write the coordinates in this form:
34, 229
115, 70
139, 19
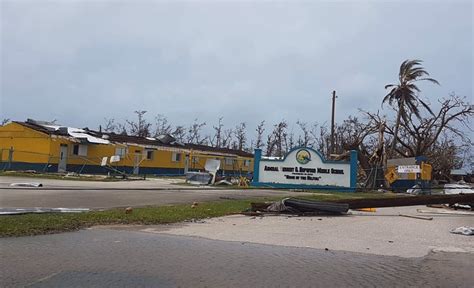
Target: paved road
111, 258
150, 183
74, 194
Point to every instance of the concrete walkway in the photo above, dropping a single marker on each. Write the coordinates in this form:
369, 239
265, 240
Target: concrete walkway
381, 233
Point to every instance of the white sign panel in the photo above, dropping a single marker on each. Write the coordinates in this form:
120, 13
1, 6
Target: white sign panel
104, 161
212, 165
305, 166
115, 158
409, 169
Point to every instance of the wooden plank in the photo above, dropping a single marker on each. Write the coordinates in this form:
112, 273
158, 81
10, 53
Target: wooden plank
448, 212
417, 217
408, 201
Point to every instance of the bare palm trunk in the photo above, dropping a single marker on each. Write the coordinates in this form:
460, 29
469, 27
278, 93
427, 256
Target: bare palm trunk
395, 133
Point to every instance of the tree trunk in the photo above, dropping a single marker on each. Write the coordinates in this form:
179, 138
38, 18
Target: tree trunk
395, 133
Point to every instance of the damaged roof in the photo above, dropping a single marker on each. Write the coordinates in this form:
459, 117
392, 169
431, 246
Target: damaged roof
219, 150
97, 137
54, 129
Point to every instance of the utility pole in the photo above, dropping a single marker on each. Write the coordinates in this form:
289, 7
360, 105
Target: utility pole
331, 150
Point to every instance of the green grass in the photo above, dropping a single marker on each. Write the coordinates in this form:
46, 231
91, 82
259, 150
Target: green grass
36, 224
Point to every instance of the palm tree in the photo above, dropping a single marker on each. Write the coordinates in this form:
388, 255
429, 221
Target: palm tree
405, 94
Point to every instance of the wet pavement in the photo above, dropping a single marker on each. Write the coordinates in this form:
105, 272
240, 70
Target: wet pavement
114, 258
98, 195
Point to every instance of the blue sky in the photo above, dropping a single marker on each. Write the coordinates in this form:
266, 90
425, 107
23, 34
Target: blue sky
81, 61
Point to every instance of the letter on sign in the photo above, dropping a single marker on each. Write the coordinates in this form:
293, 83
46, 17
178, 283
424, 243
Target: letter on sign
409, 169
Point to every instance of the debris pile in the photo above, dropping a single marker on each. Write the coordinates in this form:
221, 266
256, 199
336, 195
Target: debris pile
468, 231
198, 178
27, 184
307, 206
301, 207
339, 207
38, 210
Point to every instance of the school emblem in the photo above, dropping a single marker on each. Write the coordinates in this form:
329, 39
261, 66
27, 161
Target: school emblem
303, 156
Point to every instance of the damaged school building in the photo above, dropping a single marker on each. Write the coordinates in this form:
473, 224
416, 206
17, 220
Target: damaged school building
48, 147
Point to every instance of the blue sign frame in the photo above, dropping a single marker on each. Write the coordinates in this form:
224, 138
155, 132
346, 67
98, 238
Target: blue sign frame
353, 172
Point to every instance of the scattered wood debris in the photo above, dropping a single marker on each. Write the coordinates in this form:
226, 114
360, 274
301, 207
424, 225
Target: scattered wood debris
416, 217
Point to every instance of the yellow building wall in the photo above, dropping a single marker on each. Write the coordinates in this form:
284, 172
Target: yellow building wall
237, 165
32, 146
54, 147
28, 145
164, 159
94, 155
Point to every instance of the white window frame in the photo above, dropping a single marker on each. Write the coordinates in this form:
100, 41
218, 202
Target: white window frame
176, 157
229, 161
121, 151
152, 154
81, 150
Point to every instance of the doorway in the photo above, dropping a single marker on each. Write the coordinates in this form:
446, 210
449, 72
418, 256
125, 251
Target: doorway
62, 164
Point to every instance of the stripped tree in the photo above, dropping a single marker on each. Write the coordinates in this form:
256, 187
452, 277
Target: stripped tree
270, 146
260, 130
216, 139
4, 122
280, 135
142, 127
109, 125
240, 136
227, 138
194, 132
179, 133
424, 136
304, 139
162, 126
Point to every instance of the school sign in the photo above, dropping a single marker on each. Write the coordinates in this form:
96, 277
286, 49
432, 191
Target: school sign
305, 168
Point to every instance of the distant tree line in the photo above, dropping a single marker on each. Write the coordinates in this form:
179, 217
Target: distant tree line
442, 136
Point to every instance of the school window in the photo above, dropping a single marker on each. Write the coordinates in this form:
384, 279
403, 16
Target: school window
149, 154
229, 161
176, 157
195, 159
75, 150
79, 149
121, 151
246, 163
